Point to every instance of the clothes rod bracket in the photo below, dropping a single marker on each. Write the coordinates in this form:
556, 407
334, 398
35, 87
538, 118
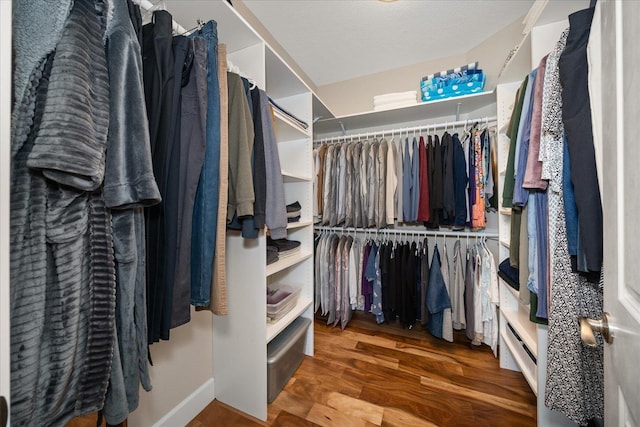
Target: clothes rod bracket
344, 131
458, 106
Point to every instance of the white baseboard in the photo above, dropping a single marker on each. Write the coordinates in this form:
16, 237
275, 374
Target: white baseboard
186, 410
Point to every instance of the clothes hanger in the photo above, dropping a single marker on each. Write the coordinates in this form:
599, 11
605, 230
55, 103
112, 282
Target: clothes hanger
198, 27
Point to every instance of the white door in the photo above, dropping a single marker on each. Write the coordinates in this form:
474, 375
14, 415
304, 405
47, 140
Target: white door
5, 149
621, 204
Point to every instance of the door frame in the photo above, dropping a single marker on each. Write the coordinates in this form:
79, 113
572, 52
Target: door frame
5, 173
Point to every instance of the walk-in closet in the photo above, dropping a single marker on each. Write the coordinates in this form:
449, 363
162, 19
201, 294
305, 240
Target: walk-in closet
319, 213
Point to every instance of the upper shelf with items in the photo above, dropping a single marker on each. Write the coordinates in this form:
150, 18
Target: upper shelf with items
448, 107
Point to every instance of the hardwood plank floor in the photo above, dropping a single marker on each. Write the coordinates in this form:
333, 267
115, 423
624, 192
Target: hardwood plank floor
371, 375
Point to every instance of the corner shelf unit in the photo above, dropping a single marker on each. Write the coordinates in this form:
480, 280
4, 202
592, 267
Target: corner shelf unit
240, 338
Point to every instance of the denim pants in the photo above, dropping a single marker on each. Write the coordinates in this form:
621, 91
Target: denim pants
205, 211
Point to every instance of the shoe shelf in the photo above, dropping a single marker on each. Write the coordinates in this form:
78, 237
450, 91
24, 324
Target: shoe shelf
287, 262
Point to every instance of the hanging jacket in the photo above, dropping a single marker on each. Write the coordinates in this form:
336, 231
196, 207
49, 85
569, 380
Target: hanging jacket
437, 296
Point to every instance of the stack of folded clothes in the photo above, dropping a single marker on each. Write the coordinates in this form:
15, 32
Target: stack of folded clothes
284, 247
509, 274
293, 212
304, 125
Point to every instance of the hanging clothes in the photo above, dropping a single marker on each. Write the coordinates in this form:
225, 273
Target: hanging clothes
407, 183
573, 71
458, 289
61, 233
129, 185
575, 379
424, 210
437, 296
372, 180
447, 320
391, 183
381, 190
275, 204
435, 179
190, 153
424, 283
204, 222
460, 184
448, 191
349, 176
400, 179
322, 152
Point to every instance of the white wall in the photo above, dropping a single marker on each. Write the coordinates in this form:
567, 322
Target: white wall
181, 375
356, 95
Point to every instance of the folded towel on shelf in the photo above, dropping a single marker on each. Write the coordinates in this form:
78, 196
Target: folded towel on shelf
395, 96
394, 105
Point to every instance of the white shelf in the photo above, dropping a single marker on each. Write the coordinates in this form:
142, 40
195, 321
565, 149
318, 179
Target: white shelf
287, 129
293, 177
294, 225
505, 244
298, 224
233, 30
424, 110
523, 326
505, 211
513, 291
273, 329
288, 262
527, 367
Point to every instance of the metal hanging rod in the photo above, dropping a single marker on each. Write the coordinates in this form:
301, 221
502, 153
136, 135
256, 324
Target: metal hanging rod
389, 231
434, 126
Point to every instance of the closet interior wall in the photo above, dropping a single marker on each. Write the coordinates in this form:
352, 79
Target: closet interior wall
232, 349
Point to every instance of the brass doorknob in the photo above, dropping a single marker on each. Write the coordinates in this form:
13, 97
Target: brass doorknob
588, 327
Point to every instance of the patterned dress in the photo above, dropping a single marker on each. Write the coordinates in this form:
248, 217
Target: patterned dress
574, 383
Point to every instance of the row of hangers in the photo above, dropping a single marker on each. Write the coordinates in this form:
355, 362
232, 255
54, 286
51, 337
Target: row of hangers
421, 239
466, 126
400, 234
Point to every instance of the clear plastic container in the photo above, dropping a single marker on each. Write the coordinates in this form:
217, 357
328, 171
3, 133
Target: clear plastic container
280, 300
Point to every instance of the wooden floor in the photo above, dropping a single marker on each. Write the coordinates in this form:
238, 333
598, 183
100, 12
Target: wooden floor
369, 375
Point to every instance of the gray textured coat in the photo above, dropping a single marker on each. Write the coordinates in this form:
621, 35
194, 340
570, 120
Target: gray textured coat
62, 271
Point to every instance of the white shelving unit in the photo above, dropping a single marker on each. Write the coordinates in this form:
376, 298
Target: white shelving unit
240, 338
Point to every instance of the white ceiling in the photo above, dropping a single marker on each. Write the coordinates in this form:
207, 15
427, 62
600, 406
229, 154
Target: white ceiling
336, 40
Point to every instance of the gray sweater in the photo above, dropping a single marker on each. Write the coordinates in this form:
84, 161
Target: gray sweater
276, 207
